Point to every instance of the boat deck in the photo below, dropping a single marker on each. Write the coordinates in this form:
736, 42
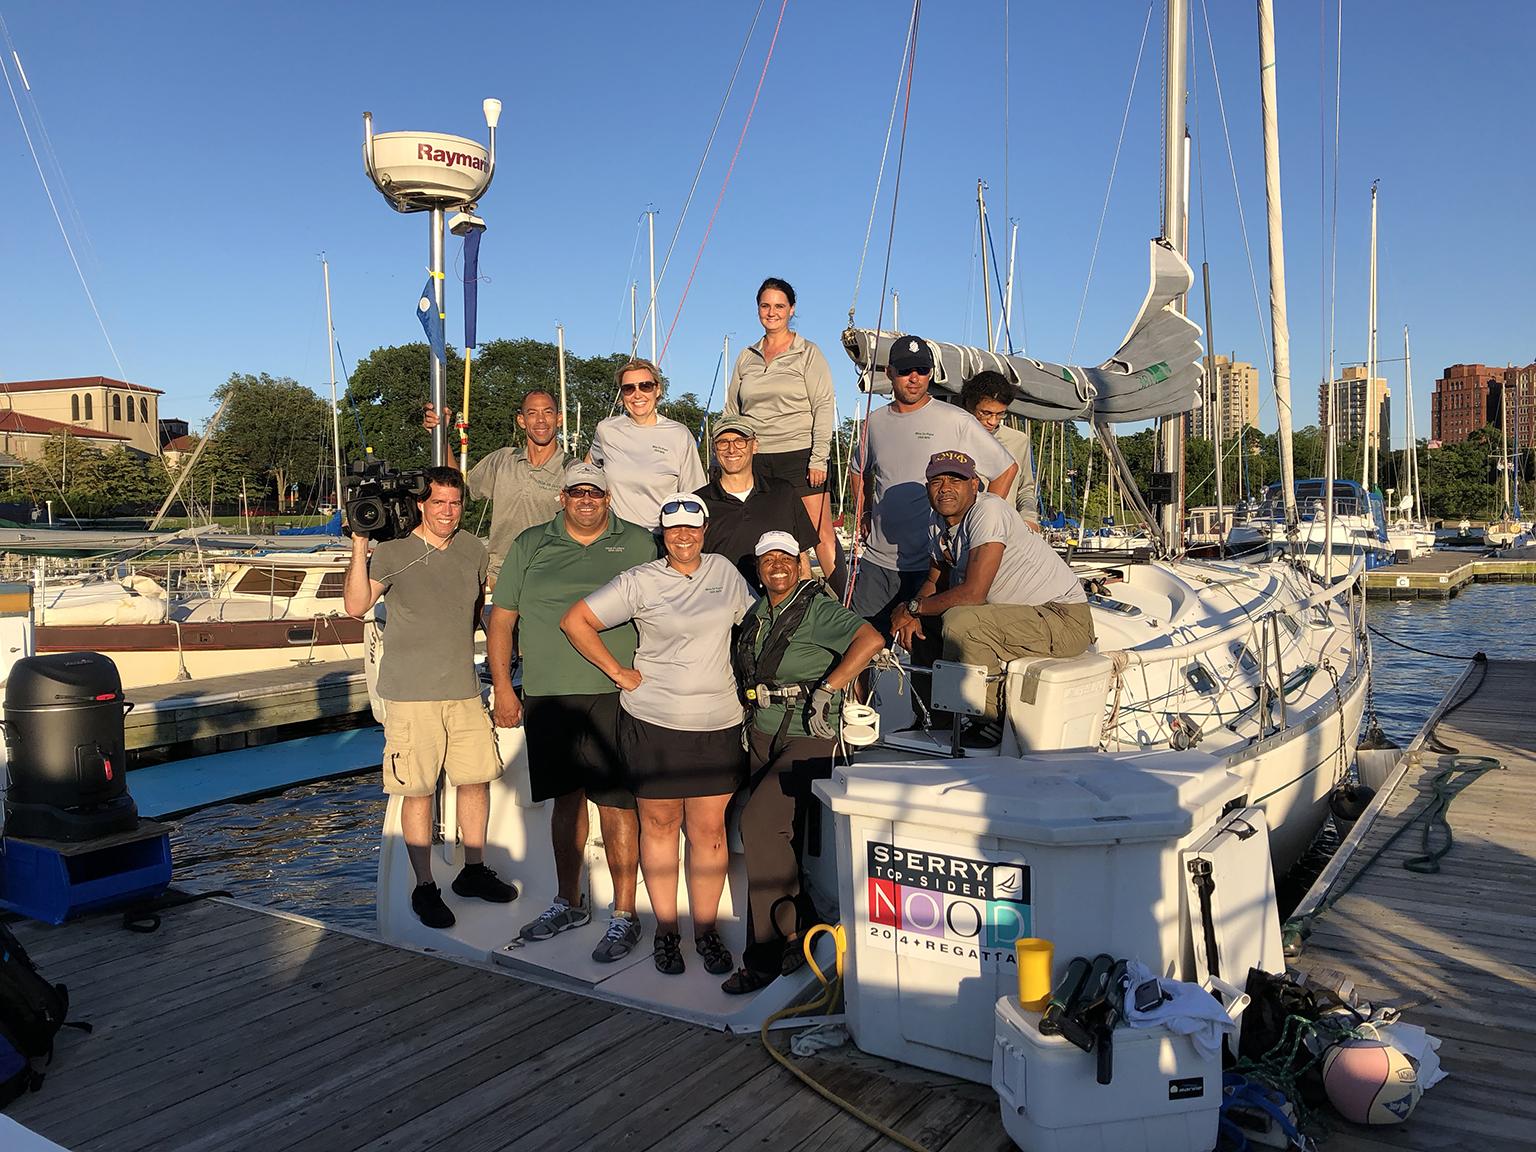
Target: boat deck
233, 1028
1454, 948
1441, 575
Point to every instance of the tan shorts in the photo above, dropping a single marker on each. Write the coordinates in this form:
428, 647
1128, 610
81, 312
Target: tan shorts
425, 737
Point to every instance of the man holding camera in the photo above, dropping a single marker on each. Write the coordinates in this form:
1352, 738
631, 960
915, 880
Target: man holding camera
434, 721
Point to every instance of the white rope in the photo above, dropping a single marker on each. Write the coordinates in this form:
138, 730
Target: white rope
1114, 165
885, 151
64, 232
1253, 277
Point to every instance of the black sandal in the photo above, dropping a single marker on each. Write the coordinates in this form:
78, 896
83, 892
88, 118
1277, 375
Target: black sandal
712, 950
793, 958
747, 980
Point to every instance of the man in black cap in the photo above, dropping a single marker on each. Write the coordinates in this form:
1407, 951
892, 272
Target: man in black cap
743, 504
1009, 594
887, 477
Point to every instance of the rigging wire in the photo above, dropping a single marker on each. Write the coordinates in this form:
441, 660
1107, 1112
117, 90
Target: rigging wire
1333, 242
885, 152
629, 279
1113, 166
725, 183
63, 231
698, 172
1242, 221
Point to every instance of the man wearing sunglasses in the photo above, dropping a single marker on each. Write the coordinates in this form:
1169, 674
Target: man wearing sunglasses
1008, 594
570, 710
743, 504
888, 483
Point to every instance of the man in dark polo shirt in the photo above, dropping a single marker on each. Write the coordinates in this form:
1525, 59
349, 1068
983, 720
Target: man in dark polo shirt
743, 504
570, 709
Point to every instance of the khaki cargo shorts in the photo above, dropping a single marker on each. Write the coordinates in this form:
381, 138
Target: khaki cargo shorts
425, 737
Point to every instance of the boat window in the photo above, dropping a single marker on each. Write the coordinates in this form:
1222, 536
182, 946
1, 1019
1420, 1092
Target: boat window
332, 585
1245, 658
1290, 625
1109, 604
117, 407
89, 415
74, 407
301, 634
1200, 680
271, 582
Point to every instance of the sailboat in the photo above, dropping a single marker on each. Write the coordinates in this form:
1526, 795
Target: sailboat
1409, 534
1508, 528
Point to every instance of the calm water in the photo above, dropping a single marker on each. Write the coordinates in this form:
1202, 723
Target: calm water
314, 849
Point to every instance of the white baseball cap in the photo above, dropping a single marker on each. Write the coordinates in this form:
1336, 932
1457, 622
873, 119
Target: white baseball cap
683, 510
776, 542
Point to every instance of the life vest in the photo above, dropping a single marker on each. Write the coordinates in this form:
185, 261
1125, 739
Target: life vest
757, 673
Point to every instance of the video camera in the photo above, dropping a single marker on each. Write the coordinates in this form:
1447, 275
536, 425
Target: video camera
381, 502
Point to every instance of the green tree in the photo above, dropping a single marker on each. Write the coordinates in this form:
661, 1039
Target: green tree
272, 430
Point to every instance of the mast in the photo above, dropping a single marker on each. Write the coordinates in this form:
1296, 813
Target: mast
650, 217
986, 286
330, 341
1213, 380
565, 436
1504, 440
1170, 429
634, 333
1369, 446
1280, 331
1005, 321
1410, 435
896, 309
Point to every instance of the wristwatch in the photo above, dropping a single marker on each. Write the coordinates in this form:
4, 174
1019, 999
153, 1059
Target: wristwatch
914, 604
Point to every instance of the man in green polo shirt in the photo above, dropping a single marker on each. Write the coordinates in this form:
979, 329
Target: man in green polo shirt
570, 710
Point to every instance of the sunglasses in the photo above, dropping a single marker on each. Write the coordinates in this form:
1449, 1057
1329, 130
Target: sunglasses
914, 372
672, 506
585, 492
641, 386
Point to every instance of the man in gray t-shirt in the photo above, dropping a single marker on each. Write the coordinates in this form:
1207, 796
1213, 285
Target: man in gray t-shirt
434, 720
887, 480
1009, 594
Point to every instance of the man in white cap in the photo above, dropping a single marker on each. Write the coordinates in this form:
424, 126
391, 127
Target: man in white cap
570, 710
886, 475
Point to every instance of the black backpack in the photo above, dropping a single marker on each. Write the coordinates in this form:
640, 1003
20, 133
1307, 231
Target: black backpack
31, 1013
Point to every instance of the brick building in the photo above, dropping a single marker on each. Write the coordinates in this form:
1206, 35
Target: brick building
1470, 396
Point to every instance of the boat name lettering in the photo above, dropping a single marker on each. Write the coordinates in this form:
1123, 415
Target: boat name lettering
917, 868
451, 159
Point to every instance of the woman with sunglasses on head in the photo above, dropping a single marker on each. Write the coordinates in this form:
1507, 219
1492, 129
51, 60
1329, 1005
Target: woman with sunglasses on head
679, 717
644, 454
784, 384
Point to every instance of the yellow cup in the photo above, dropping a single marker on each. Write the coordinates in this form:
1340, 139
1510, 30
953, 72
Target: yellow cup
1034, 957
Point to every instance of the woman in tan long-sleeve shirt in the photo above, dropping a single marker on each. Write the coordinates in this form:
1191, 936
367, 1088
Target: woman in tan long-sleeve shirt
784, 384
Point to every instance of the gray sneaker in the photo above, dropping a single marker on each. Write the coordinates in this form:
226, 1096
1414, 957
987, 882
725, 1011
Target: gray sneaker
558, 917
620, 939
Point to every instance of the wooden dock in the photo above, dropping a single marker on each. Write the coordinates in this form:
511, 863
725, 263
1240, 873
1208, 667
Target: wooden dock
1454, 948
1441, 575
215, 714
233, 1028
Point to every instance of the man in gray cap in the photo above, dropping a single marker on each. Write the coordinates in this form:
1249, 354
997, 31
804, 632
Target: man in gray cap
1009, 594
743, 504
570, 710
886, 477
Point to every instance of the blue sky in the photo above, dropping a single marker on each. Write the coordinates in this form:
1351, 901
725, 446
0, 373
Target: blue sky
210, 151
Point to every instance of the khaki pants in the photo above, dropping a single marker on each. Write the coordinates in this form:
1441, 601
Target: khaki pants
993, 634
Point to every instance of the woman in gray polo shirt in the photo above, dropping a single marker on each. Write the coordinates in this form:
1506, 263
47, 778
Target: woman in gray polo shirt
679, 717
645, 455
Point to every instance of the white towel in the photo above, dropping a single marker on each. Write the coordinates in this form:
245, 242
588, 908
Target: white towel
1188, 1009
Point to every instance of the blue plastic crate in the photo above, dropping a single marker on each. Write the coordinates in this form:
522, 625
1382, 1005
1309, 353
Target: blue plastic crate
50, 880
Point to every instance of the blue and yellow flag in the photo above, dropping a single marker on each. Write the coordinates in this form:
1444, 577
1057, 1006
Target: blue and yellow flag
432, 320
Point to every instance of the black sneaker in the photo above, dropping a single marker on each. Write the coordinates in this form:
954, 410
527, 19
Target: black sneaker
477, 882
427, 903
712, 950
667, 952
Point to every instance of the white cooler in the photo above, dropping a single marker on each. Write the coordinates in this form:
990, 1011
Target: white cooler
1164, 1095
943, 864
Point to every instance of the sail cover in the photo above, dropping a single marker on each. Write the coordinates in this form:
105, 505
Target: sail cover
1156, 372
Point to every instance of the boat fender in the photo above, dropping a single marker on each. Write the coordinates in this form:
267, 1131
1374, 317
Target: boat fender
1376, 740
1348, 802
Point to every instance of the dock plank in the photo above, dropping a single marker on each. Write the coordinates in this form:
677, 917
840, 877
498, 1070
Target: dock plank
1458, 941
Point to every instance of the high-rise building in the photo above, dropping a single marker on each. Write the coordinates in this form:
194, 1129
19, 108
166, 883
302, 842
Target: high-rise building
1353, 396
1238, 386
1469, 396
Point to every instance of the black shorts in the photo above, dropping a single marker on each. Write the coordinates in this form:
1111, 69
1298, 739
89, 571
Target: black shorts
573, 743
789, 467
670, 764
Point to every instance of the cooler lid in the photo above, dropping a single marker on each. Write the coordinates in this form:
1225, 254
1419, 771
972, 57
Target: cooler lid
1047, 798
